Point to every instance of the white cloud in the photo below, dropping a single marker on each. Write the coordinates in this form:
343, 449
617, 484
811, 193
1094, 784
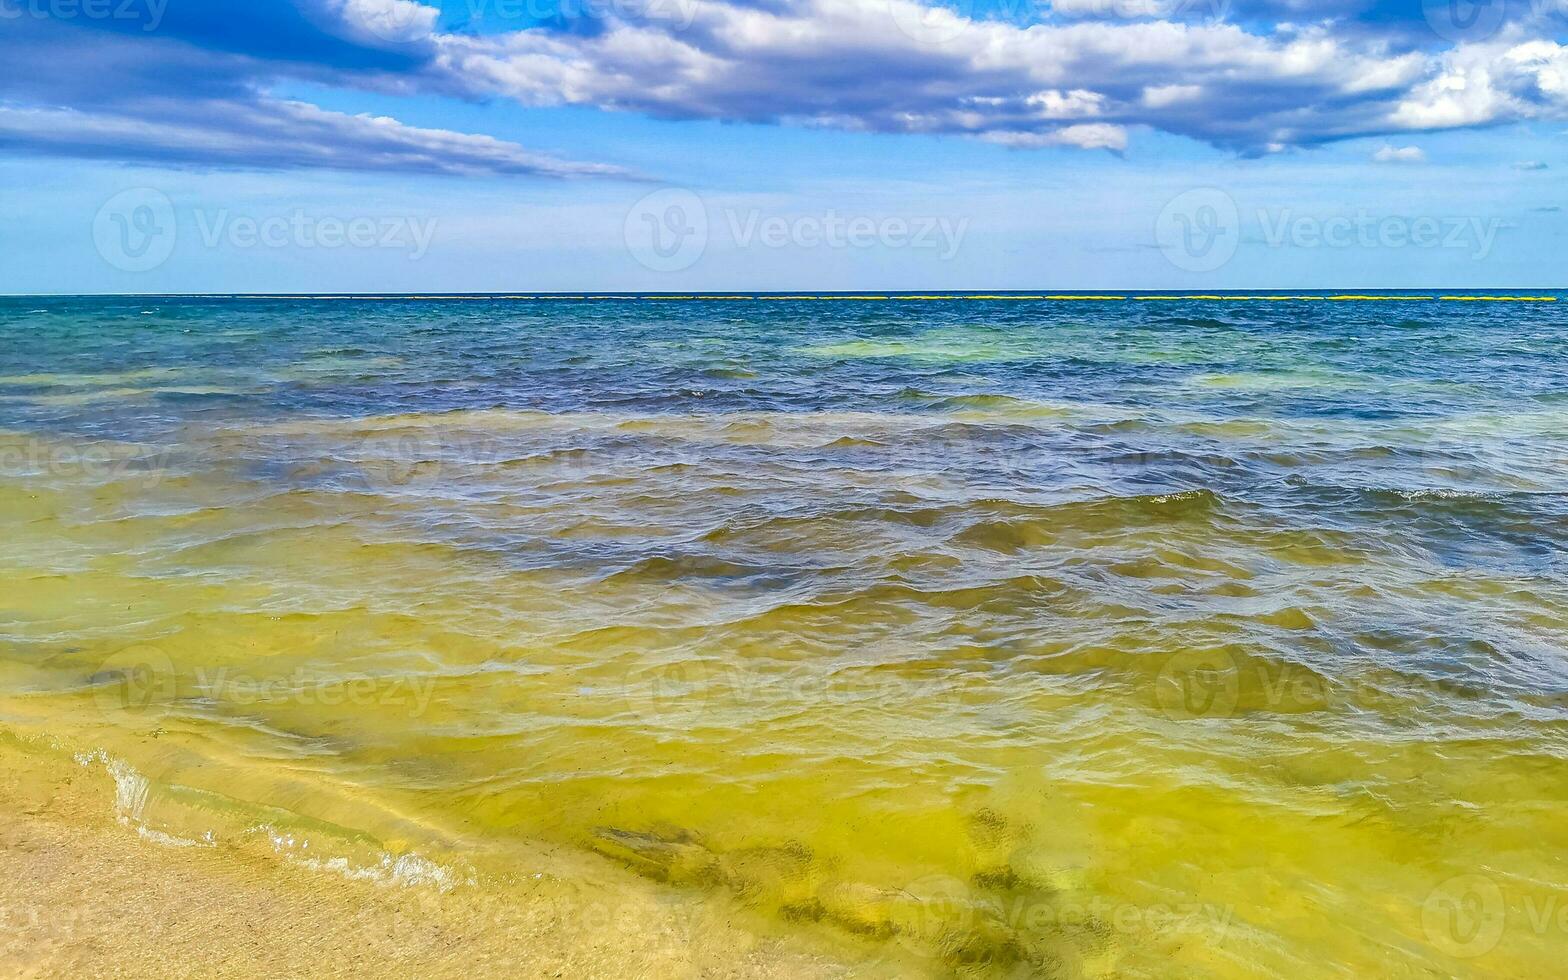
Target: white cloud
277, 135
1401, 154
1477, 84
397, 21
878, 65
1094, 72
1160, 96
1053, 104
1085, 136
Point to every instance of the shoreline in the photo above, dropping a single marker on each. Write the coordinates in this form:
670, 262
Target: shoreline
86, 895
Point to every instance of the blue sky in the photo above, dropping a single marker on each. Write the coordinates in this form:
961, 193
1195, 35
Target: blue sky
477, 145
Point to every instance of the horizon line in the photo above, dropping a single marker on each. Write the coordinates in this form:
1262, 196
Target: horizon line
1380, 294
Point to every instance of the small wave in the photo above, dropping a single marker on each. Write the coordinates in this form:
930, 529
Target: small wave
135, 794
1002, 405
1044, 525
390, 870
677, 568
1199, 322
132, 790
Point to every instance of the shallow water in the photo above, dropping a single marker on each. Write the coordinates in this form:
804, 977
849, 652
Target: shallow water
1012, 638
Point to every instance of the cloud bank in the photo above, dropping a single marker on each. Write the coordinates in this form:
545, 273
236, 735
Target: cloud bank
193, 91
1253, 76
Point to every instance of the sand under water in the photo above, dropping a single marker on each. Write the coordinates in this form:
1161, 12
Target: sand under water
89, 891
1013, 639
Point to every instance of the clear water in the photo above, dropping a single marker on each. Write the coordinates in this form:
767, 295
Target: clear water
1144, 637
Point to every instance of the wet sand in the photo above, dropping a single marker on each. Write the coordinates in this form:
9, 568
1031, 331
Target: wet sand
83, 895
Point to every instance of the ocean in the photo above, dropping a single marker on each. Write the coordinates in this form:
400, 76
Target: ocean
1010, 635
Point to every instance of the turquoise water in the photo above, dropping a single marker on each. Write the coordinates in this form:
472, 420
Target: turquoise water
993, 637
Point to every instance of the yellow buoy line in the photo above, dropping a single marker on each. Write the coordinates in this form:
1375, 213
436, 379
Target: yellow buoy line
906, 298
1062, 298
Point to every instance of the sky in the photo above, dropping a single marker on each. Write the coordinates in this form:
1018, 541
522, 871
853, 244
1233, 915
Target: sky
394, 146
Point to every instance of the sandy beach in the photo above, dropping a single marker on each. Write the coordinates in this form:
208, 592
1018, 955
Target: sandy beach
84, 894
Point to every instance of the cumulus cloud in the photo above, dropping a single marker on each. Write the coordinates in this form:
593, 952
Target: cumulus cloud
860, 64
1502, 80
899, 66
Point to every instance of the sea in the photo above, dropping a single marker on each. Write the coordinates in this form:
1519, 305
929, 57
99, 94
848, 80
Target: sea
983, 635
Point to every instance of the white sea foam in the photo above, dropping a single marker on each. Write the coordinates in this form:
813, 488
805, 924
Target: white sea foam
406, 870
132, 791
